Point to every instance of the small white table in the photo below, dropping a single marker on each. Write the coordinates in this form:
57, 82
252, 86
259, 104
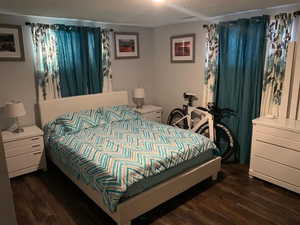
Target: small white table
150, 112
24, 152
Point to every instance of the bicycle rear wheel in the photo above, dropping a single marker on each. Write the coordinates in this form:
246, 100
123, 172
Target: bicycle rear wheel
223, 139
175, 116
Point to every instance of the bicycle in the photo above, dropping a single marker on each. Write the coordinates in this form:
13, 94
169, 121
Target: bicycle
209, 124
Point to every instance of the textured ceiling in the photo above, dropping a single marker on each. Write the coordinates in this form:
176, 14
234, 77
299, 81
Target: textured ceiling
135, 12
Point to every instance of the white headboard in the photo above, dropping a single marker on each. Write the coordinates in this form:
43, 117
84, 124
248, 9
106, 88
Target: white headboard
50, 109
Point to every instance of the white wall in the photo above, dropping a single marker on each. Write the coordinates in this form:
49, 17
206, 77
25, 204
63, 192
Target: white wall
17, 80
131, 73
171, 80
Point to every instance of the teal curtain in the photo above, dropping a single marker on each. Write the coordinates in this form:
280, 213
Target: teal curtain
239, 82
79, 60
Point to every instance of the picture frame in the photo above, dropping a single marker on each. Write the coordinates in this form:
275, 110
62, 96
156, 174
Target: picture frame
11, 43
182, 48
126, 45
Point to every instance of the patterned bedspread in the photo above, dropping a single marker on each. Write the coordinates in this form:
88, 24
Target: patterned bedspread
112, 157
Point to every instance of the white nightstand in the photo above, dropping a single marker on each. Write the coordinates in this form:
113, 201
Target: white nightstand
24, 152
151, 112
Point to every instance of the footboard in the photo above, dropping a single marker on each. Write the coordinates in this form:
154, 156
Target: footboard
155, 196
143, 202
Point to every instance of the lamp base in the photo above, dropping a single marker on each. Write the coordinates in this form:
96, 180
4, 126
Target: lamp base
139, 102
19, 130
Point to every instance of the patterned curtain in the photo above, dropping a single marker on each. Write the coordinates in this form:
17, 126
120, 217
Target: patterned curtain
45, 62
211, 63
106, 60
278, 38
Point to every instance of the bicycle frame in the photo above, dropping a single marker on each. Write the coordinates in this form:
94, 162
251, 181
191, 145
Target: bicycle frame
207, 118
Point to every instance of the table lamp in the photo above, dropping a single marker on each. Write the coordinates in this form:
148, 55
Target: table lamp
16, 110
138, 97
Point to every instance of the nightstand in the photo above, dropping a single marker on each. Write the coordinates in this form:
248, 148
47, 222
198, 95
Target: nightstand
150, 112
24, 152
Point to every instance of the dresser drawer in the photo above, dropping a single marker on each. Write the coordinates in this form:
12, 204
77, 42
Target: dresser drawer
281, 133
23, 161
155, 116
276, 170
18, 147
277, 153
292, 143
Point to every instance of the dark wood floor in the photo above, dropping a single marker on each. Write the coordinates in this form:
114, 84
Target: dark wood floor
50, 198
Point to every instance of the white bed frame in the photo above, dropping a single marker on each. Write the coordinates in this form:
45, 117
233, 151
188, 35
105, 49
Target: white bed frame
143, 202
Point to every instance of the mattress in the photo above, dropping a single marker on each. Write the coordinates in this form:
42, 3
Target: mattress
149, 182
125, 158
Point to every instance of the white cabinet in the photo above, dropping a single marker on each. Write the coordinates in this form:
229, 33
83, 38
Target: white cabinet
275, 153
24, 152
151, 112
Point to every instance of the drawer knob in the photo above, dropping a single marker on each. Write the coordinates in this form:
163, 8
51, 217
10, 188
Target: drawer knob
34, 139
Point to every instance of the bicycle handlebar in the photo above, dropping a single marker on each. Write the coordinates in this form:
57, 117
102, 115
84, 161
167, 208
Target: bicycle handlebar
202, 109
214, 110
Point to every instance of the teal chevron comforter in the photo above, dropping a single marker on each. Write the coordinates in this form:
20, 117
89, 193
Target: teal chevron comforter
114, 156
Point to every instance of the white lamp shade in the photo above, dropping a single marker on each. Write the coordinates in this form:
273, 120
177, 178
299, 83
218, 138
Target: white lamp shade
139, 93
15, 109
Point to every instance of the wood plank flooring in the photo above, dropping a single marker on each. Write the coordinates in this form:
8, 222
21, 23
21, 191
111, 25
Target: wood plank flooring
52, 199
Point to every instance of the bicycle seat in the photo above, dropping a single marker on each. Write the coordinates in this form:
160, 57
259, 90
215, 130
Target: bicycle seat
190, 97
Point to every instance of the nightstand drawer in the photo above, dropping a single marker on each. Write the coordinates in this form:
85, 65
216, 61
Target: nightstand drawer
17, 147
23, 161
155, 116
23, 171
23, 150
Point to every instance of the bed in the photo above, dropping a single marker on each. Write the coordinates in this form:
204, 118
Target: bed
147, 191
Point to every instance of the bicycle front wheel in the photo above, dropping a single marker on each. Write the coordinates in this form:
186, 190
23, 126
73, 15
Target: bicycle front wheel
175, 119
223, 139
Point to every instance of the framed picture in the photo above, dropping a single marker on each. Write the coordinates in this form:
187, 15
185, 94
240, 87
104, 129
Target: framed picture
11, 43
183, 48
126, 45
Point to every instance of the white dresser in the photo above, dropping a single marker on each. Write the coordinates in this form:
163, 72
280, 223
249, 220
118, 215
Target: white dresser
150, 112
24, 152
275, 154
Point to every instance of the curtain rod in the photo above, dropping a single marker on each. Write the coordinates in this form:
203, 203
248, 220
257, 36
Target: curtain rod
206, 25
29, 24
297, 13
